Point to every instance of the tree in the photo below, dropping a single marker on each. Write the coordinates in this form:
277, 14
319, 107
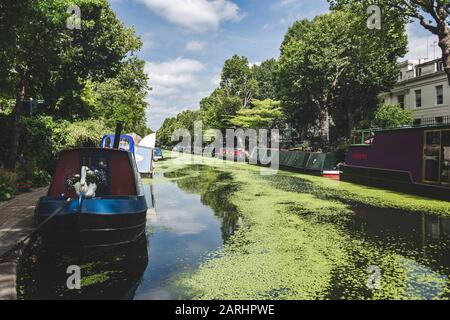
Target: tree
373, 69
389, 116
338, 67
121, 98
311, 68
296, 32
164, 134
264, 114
237, 78
265, 75
41, 58
217, 109
433, 15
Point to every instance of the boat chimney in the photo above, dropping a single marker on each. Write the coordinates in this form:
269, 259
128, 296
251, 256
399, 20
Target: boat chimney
119, 127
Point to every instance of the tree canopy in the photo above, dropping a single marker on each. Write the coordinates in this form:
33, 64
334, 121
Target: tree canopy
337, 68
80, 74
389, 116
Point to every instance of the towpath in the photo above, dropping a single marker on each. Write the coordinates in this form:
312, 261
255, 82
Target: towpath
16, 223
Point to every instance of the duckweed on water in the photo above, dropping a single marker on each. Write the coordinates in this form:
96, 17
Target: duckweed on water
294, 242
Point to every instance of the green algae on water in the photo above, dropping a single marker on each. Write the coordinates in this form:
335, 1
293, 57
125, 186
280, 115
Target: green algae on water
294, 241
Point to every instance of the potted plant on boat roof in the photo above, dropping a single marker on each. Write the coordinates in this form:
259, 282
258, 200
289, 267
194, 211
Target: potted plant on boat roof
87, 182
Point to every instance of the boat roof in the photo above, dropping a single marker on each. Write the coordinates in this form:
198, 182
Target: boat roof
93, 150
413, 127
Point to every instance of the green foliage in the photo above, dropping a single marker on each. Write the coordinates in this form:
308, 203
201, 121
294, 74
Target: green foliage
40, 178
83, 74
8, 184
184, 120
42, 139
238, 79
121, 98
265, 75
217, 109
295, 32
81, 134
336, 65
265, 114
164, 135
388, 116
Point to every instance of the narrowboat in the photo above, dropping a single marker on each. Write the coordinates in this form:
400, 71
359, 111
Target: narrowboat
314, 163
414, 160
101, 196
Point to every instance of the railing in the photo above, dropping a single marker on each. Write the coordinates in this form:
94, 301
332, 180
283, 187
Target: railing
365, 137
430, 122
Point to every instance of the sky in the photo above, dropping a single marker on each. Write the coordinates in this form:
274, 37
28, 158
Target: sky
185, 42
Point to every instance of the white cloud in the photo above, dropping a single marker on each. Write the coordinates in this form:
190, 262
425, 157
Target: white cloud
195, 15
168, 77
178, 85
195, 46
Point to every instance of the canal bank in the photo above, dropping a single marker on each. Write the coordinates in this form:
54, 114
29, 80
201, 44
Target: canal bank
16, 223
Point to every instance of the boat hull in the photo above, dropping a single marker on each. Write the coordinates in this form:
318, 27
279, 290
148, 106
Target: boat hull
97, 223
394, 180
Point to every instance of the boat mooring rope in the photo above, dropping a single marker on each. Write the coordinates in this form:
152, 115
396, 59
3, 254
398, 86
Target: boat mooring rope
4, 257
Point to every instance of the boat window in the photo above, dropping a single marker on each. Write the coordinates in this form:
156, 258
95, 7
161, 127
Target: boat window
124, 144
445, 162
432, 151
363, 138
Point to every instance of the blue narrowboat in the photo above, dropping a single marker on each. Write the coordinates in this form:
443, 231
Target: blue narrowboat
98, 197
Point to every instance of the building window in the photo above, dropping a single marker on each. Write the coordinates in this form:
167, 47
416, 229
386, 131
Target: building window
417, 122
440, 95
418, 98
418, 72
401, 101
439, 120
400, 76
440, 66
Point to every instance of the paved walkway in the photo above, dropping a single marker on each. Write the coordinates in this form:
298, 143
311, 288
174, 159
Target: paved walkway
16, 222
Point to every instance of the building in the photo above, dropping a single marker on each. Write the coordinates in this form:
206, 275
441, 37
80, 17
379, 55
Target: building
422, 87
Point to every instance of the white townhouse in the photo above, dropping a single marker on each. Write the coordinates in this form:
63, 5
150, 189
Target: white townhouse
422, 87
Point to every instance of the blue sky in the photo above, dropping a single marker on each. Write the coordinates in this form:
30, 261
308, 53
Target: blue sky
187, 41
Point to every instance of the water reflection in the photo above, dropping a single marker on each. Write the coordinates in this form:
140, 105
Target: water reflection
194, 218
428, 237
114, 274
214, 188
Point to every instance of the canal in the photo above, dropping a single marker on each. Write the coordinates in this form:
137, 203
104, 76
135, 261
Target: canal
228, 233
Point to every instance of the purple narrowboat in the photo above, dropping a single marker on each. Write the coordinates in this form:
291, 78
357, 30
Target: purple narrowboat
413, 160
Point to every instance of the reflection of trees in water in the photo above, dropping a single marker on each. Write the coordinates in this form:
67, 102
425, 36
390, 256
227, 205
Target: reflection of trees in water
214, 187
411, 249
114, 274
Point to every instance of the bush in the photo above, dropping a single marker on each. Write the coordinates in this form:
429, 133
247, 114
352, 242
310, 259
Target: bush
42, 139
8, 184
389, 116
40, 178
